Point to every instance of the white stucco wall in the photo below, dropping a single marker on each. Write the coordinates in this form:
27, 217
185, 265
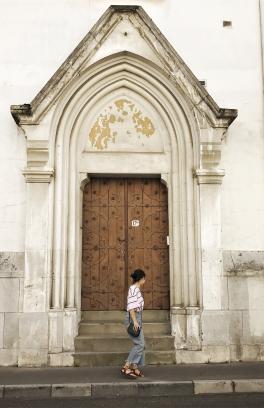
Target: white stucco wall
40, 35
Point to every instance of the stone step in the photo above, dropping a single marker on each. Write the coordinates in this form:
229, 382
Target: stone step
108, 327
119, 315
117, 343
100, 359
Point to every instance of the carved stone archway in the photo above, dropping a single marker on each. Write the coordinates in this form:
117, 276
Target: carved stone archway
189, 126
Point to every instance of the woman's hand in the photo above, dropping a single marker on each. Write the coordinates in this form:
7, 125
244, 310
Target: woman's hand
136, 326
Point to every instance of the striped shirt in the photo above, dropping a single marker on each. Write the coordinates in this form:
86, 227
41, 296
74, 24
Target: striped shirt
135, 299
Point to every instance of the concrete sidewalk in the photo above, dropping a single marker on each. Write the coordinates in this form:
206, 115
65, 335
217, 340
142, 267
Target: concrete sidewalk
109, 381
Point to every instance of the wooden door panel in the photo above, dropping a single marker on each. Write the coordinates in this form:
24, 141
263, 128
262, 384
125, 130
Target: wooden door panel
147, 243
103, 282
113, 248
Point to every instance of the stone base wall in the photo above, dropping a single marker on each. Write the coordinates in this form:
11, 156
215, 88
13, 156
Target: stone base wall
12, 266
221, 354
234, 333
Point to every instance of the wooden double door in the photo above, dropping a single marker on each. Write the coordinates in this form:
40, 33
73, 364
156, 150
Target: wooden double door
125, 227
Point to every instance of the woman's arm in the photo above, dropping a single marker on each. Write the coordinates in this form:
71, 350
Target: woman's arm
133, 316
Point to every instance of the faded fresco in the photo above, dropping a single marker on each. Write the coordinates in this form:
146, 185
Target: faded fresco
123, 124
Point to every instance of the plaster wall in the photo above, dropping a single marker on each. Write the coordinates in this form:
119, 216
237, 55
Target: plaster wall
229, 59
39, 36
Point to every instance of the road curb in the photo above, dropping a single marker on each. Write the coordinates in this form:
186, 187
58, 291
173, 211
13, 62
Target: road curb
131, 388
213, 386
249, 386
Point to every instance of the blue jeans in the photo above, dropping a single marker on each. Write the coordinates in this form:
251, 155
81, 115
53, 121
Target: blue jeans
137, 353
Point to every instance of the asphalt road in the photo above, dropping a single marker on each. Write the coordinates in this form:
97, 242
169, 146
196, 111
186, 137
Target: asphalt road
207, 401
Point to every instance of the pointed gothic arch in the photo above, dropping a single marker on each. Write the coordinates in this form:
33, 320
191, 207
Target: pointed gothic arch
126, 72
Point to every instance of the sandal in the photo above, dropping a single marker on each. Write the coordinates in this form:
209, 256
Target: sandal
128, 372
137, 372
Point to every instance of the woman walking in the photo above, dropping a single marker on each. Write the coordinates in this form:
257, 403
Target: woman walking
135, 305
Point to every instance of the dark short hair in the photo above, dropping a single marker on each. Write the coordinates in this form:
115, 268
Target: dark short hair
137, 275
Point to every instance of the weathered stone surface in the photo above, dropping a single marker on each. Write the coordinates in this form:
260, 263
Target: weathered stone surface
55, 331
36, 223
1, 391
27, 391
35, 263
253, 331
213, 257
12, 264
215, 327
8, 357
61, 359
114, 389
221, 327
178, 328
33, 331
9, 294
235, 322
246, 292
217, 354
246, 352
193, 328
165, 388
249, 385
191, 357
238, 293
21, 295
11, 330
243, 263
215, 290
2, 317
235, 352
250, 352
32, 358
208, 354
69, 329
71, 390
213, 386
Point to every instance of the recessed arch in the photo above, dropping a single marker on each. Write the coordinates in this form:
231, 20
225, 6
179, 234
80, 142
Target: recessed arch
135, 74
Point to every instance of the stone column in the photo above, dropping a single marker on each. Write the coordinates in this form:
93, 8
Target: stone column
33, 324
210, 207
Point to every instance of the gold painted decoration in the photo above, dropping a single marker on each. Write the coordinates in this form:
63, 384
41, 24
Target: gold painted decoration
121, 116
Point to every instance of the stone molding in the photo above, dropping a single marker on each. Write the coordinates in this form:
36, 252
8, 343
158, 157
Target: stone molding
209, 176
37, 170
36, 175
